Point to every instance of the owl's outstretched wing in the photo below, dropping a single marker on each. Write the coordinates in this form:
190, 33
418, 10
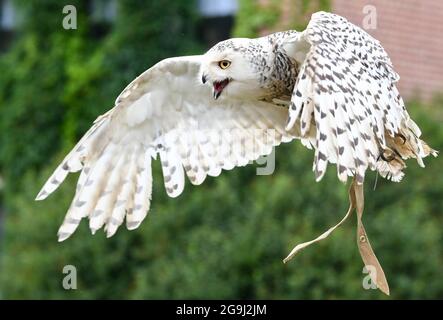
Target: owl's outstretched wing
165, 111
346, 89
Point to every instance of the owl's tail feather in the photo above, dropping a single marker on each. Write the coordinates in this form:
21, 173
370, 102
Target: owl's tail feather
405, 144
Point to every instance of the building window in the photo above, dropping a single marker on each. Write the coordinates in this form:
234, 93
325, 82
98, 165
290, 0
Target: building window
8, 22
216, 8
103, 11
102, 14
218, 20
7, 15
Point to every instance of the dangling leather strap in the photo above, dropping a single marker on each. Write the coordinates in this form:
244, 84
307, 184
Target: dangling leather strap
368, 256
356, 200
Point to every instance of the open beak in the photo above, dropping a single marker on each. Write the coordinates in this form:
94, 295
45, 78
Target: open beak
218, 87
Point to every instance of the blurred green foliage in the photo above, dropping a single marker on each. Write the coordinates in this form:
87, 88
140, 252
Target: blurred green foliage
256, 18
224, 239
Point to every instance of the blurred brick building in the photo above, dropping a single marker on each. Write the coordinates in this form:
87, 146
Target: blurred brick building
411, 31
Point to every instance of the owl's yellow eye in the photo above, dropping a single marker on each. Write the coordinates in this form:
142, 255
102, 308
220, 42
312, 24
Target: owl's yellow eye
224, 64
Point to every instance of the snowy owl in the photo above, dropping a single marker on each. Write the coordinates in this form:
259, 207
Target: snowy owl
332, 86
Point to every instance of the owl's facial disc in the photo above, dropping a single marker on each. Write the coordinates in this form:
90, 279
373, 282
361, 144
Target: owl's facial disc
219, 86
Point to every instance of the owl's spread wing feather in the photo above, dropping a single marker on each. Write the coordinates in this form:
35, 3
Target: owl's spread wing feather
164, 111
346, 89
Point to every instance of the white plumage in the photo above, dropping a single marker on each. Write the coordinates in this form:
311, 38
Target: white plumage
337, 80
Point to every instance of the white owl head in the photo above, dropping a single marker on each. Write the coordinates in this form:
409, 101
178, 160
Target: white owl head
230, 69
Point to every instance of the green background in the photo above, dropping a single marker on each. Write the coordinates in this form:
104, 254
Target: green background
224, 239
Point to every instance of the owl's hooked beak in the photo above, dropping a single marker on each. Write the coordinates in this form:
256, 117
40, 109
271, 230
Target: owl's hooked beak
218, 87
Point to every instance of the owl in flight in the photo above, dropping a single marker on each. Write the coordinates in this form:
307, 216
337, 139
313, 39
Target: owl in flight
332, 86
